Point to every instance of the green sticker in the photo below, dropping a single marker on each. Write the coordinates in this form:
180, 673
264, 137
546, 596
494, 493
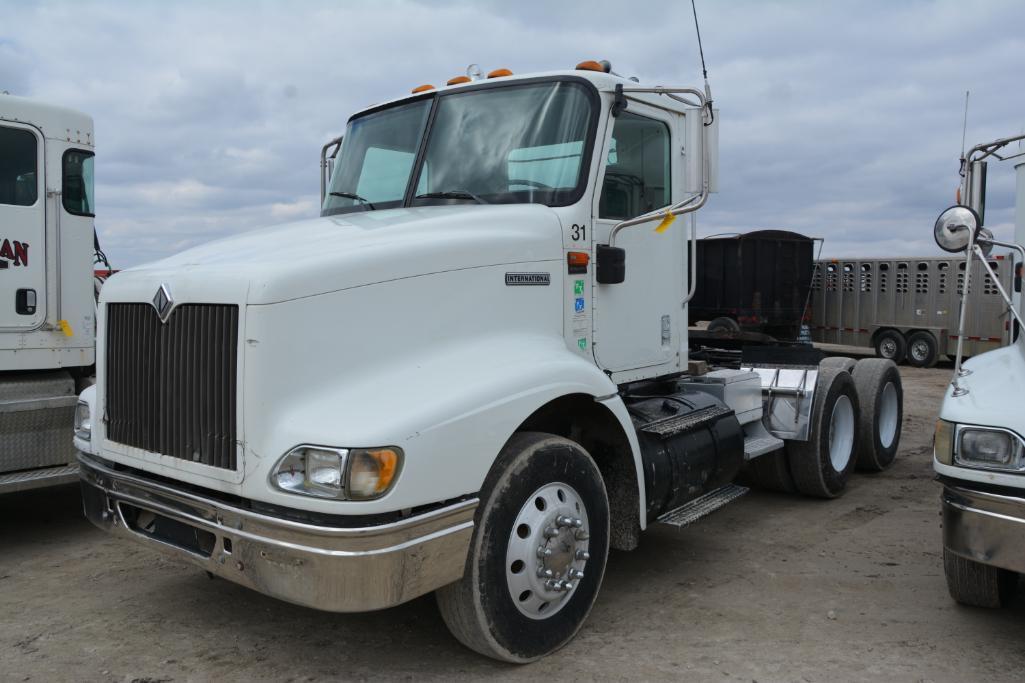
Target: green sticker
578, 287
582, 343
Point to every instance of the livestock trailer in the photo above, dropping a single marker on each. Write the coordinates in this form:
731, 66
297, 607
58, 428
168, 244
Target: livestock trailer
754, 282
908, 308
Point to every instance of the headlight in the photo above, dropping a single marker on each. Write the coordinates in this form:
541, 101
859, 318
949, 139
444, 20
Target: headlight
996, 449
83, 421
340, 473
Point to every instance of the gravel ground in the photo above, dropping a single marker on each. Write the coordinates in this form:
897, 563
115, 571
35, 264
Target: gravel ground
771, 588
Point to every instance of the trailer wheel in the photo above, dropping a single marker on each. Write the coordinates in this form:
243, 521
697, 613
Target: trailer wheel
922, 350
881, 400
976, 584
822, 465
770, 472
842, 362
891, 345
538, 552
724, 325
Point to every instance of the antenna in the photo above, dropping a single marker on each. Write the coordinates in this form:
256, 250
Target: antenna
964, 128
704, 69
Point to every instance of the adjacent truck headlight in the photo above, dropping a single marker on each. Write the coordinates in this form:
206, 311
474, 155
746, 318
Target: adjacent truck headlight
339, 473
988, 448
83, 421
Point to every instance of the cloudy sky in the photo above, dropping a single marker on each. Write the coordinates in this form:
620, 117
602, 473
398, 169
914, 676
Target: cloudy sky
840, 120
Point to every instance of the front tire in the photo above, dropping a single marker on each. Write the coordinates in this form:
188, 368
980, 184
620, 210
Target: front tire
538, 552
976, 584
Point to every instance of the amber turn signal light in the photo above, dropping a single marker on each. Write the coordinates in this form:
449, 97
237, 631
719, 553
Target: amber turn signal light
498, 73
457, 80
422, 88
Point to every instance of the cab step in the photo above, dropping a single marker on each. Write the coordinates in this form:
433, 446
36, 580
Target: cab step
691, 512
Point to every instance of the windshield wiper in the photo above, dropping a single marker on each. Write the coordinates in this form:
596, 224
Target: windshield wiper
352, 195
451, 194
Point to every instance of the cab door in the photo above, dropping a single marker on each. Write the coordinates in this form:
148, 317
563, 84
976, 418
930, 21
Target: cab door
22, 228
639, 323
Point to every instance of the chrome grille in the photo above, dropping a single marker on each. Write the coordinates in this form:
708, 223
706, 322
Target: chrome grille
171, 387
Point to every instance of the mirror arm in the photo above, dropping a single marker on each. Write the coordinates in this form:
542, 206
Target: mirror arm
326, 162
958, 372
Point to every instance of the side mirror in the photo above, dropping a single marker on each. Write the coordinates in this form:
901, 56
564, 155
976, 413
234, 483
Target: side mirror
611, 266
955, 227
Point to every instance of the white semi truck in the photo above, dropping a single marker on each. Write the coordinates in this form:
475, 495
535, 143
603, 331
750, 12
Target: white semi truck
471, 375
47, 299
979, 453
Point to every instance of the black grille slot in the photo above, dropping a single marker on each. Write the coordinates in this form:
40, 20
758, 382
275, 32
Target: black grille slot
171, 386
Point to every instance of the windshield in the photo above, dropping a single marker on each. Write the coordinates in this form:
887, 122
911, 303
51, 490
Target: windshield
496, 145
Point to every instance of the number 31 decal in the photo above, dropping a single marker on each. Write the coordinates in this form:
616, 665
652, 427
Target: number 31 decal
578, 232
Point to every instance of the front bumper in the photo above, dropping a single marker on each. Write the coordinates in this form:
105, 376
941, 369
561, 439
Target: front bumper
351, 569
984, 527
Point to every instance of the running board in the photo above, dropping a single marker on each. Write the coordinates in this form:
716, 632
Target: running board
688, 513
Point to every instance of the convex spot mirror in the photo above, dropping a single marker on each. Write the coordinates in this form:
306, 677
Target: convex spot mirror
955, 227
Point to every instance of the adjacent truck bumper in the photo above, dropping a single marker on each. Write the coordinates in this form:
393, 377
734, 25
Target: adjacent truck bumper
985, 527
351, 569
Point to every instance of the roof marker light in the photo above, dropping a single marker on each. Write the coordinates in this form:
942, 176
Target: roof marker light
592, 65
422, 88
458, 79
498, 73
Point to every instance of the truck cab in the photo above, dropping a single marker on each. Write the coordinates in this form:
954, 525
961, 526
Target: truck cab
979, 453
470, 375
47, 305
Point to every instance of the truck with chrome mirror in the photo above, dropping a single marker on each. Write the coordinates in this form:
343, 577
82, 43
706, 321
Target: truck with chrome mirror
470, 375
979, 450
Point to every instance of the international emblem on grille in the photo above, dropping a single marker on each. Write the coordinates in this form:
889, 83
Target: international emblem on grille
163, 302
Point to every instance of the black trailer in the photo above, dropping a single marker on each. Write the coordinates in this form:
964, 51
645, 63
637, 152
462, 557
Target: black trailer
754, 282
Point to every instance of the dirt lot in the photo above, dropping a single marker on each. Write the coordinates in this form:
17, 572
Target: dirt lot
770, 588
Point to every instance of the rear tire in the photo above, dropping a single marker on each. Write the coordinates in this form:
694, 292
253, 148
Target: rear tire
891, 345
842, 362
822, 465
976, 584
502, 607
922, 350
724, 325
881, 400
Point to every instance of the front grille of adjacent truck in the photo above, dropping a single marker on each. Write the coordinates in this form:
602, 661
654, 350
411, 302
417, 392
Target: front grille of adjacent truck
171, 386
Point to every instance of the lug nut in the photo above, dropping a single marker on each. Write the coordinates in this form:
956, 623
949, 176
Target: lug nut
567, 586
582, 535
577, 522
563, 520
576, 574
543, 552
583, 555
551, 532
543, 573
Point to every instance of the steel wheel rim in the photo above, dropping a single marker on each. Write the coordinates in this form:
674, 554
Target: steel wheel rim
547, 550
888, 410
888, 348
920, 351
841, 433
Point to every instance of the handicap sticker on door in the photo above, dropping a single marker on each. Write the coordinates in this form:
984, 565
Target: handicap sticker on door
579, 304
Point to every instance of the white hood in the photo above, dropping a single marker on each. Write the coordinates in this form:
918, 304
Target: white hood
322, 255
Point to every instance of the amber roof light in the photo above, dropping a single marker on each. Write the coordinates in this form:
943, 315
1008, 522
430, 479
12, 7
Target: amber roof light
458, 79
422, 88
498, 73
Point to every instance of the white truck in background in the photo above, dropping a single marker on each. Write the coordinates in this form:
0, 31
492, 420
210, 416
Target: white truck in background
979, 453
47, 296
470, 375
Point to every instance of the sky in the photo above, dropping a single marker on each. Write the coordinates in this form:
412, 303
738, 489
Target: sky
840, 120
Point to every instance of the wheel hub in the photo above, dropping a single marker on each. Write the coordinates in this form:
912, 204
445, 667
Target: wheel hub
889, 348
548, 550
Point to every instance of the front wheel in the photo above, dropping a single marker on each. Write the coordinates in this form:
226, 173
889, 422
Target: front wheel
538, 552
976, 584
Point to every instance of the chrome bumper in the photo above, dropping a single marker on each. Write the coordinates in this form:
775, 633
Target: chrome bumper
352, 569
985, 527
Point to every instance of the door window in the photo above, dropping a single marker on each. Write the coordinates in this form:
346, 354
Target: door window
637, 171
78, 182
18, 172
